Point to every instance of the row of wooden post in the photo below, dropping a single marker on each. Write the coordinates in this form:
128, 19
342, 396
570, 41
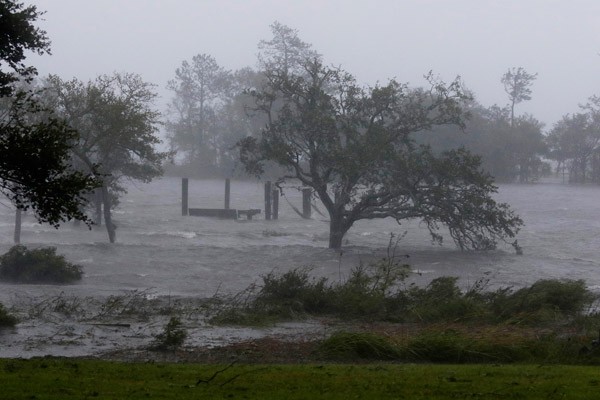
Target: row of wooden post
271, 199
272, 202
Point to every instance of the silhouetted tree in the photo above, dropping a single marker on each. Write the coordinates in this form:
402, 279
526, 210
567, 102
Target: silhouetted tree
355, 147
118, 131
517, 83
285, 51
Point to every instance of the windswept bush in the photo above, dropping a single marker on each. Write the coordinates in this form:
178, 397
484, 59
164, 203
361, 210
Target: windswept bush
375, 293
367, 294
41, 265
443, 300
545, 300
6, 319
172, 337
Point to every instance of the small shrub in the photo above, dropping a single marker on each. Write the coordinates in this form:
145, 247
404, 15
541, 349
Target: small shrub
442, 300
293, 292
172, 337
41, 265
6, 319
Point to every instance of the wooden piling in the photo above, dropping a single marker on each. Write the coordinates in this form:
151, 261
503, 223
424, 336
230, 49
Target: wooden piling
17, 236
306, 207
268, 200
227, 193
184, 196
275, 201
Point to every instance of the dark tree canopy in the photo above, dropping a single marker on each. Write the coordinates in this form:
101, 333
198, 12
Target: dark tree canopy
117, 125
356, 148
18, 34
35, 168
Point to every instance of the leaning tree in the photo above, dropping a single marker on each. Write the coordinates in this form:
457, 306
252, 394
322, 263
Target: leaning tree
355, 147
118, 127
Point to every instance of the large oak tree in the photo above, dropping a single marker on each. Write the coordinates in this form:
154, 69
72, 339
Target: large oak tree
355, 147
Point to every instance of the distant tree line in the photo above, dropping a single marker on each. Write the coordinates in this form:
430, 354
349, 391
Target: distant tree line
212, 109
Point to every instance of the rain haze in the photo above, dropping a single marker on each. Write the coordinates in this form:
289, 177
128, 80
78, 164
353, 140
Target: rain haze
160, 252
375, 40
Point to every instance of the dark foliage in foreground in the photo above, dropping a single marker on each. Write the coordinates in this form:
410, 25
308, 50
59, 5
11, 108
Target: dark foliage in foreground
41, 265
448, 345
551, 321
172, 337
376, 293
6, 319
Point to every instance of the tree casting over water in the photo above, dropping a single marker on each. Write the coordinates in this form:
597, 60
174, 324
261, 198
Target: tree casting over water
355, 147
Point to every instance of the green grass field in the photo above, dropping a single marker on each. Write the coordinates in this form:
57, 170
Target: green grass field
49, 378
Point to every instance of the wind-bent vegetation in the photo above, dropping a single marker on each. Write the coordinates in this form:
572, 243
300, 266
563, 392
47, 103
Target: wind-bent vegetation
377, 293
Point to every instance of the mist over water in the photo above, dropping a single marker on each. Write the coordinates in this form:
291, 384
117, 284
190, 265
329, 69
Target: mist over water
160, 250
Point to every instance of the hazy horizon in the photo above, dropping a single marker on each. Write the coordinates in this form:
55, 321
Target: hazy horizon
375, 41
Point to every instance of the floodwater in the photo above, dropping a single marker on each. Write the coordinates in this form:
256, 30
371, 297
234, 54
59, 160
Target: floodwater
179, 255
160, 251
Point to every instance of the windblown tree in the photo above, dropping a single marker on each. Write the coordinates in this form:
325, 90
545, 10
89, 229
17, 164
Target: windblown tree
356, 148
118, 127
285, 51
517, 84
35, 163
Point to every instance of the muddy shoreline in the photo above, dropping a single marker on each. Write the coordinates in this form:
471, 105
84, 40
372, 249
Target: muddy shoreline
125, 327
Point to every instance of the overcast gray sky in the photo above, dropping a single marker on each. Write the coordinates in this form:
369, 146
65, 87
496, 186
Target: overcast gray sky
375, 40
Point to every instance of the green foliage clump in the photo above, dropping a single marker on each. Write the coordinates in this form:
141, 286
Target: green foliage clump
172, 337
443, 300
41, 265
367, 294
375, 293
294, 292
6, 319
545, 300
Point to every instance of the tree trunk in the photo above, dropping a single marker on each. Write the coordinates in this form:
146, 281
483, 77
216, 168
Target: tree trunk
336, 232
17, 236
110, 227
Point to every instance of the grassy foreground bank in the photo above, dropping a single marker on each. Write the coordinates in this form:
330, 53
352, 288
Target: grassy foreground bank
49, 378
